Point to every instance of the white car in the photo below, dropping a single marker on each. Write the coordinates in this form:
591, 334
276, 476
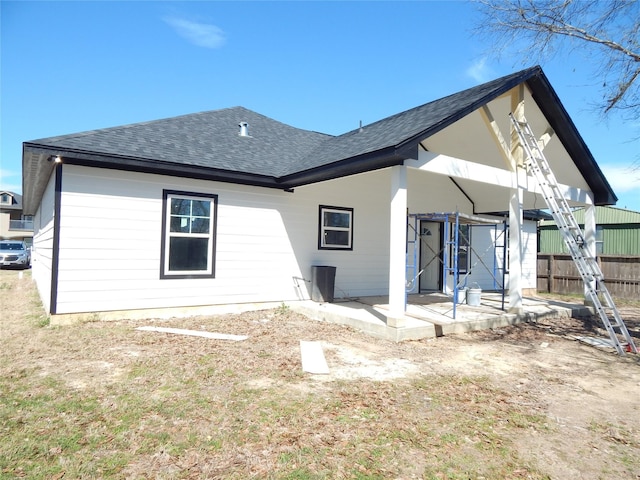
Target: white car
14, 253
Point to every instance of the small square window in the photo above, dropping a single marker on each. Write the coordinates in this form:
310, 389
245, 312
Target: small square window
335, 231
188, 235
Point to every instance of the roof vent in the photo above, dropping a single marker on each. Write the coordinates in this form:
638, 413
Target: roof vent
244, 129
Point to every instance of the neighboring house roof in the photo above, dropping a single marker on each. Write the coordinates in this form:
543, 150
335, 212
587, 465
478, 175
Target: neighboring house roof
207, 145
16, 201
606, 216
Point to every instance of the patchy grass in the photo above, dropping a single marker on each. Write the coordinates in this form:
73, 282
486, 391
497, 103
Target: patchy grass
102, 400
358, 430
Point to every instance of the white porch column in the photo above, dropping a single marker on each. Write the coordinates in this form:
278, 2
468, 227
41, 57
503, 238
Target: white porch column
397, 246
516, 200
589, 236
515, 251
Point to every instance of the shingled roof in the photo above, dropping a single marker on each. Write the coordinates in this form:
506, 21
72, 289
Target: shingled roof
208, 145
207, 139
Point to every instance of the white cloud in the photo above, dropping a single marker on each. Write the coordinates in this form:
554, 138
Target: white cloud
200, 34
622, 178
479, 71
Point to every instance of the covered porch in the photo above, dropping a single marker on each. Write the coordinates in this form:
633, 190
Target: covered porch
480, 158
430, 315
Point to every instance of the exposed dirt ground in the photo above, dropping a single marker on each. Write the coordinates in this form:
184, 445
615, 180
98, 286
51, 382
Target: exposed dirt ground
589, 397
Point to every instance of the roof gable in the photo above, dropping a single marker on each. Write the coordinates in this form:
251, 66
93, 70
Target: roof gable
14, 200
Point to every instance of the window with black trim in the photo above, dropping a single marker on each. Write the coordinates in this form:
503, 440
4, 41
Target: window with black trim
188, 234
335, 230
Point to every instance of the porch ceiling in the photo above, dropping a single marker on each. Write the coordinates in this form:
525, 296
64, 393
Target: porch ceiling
471, 139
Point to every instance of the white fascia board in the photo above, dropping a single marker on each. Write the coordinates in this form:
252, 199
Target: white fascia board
477, 172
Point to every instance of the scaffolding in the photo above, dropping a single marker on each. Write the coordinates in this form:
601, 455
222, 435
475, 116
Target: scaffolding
449, 253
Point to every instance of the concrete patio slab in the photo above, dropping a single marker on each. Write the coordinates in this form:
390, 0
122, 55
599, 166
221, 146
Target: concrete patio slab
431, 315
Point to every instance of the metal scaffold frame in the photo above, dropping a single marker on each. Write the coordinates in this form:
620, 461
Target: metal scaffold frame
450, 246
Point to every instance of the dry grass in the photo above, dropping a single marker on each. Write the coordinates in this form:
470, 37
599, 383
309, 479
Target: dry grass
103, 400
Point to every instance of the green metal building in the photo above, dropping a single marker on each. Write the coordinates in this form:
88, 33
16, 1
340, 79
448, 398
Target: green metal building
617, 232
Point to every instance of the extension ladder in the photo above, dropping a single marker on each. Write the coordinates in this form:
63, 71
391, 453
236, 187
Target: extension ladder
572, 234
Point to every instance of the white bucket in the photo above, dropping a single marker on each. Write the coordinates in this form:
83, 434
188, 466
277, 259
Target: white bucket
473, 296
462, 295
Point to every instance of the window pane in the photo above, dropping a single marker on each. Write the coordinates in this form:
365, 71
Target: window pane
334, 219
333, 237
199, 225
188, 254
464, 234
180, 206
463, 259
180, 224
200, 208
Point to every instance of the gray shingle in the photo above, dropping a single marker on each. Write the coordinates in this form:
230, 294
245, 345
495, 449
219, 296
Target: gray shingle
207, 139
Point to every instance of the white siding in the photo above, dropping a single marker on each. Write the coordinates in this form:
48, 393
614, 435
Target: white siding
486, 257
42, 249
487, 243
266, 241
111, 229
365, 270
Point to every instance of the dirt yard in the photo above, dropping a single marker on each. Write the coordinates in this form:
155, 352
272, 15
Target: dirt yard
104, 400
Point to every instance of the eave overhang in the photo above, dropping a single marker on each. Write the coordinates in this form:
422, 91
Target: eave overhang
38, 166
367, 162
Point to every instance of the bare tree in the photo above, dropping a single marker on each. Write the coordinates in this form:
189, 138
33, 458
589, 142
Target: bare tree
605, 31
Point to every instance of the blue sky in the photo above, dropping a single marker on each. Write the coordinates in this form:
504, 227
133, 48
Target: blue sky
68, 67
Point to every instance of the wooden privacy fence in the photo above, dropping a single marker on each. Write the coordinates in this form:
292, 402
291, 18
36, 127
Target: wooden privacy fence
557, 273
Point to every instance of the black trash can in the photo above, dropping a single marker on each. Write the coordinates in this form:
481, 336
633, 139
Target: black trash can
323, 279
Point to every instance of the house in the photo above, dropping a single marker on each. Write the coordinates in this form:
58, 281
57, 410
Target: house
13, 224
617, 232
230, 207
